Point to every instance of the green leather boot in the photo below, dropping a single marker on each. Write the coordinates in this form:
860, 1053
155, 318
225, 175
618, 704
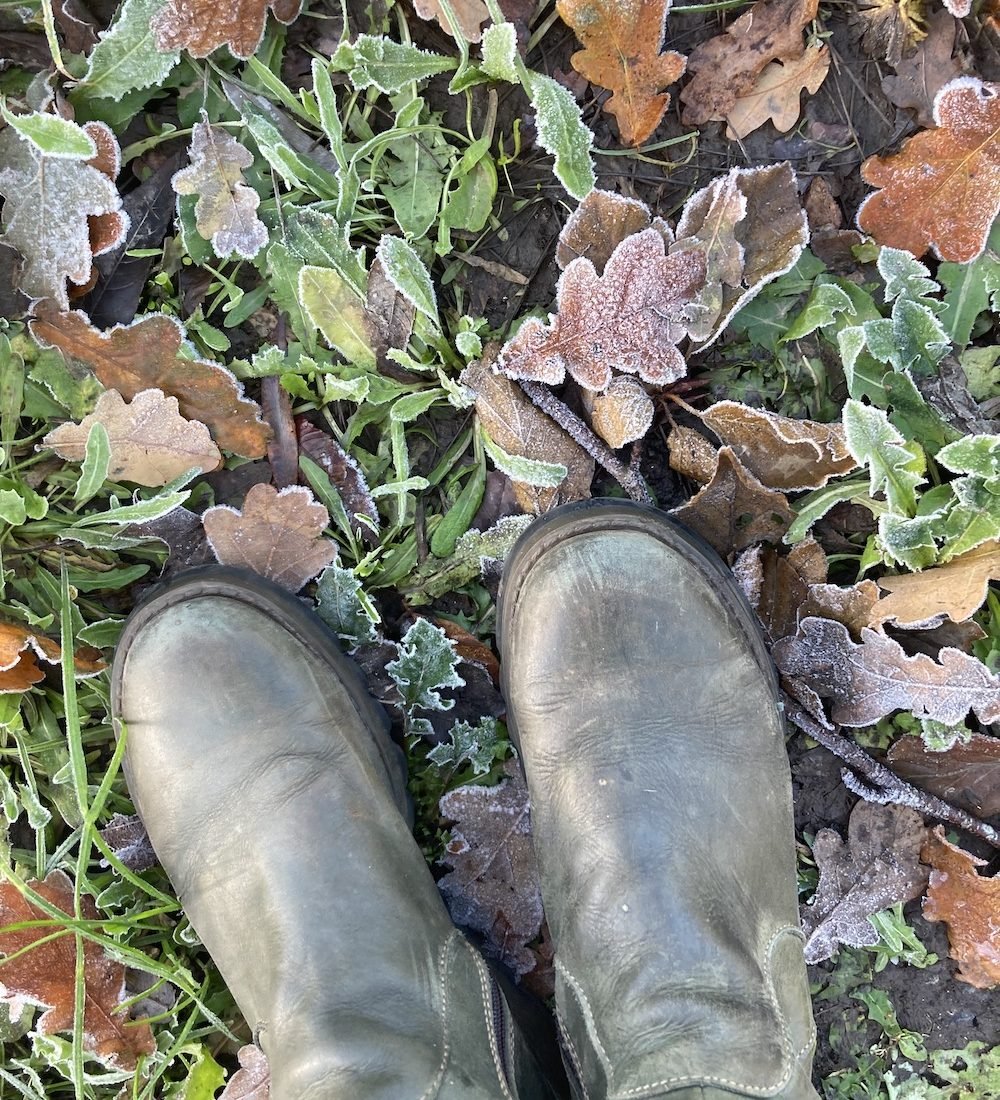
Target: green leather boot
275, 801
646, 712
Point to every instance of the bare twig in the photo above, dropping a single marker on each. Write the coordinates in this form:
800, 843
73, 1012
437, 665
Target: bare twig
883, 785
601, 453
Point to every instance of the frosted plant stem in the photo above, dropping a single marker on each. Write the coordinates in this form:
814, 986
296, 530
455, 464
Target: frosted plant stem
883, 785
628, 478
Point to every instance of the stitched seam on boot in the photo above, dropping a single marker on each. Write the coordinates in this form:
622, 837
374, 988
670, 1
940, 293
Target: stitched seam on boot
443, 956
753, 1090
484, 982
570, 1049
588, 1017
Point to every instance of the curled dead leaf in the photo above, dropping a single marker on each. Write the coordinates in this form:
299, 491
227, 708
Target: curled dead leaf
252, 1081
691, 454
776, 585
20, 650
922, 74
622, 413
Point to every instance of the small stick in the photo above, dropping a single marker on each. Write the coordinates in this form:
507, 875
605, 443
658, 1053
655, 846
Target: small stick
627, 478
883, 784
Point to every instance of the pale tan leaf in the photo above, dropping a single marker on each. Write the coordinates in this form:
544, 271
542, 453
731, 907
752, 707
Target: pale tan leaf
151, 443
775, 96
278, 535
851, 606
471, 14
622, 413
691, 454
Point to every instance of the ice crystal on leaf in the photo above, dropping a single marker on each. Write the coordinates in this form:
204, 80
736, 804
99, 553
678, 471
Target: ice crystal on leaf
201, 26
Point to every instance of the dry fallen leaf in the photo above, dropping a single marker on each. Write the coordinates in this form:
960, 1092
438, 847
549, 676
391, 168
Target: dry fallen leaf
775, 96
252, 1081
920, 76
970, 906
519, 428
46, 975
734, 510
866, 682
782, 452
226, 210
126, 836
344, 473
146, 355
599, 225
622, 40
278, 535
956, 591
942, 189
727, 66
776, 585
628, 319
492, 886
201, 26
389, 316
471, 14
107, 231
622, 413
891, 28
151, 443
878, 867
20, 650
691, 454
967, 774
851, 606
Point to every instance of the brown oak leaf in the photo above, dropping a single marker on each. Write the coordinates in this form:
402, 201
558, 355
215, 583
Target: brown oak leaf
851, 606
877, 867
691, 454
969, 904
45, 975
782, 452
492, 885
734, 510
628, 319
942, 189
622, 413
107, 231
278, 535
226, 210
151, 443
870, 680
775, 96
147, 355
201, 26
891, 28
967, 774
727, 66
252, 1081
471, 14
622, 40
956, 591
20, 650
599, 225
920, 76
776, 585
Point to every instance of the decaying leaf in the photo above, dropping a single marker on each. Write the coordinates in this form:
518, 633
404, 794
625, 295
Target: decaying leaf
278, 535
147, 355
519, 428
780, 451
389, 315
734, 510
956, 591
866, 682
471, 14
493, 884
107, 231
252, 1081
775, 96
52, 202
970, 906
226, 210
599, 224
46, 975
622, 413
727, 66
201, 26
776, 585
343, 472
966, 775
877, 867
920, 76
622, 40
942, 189
128, 839
851, 606
891, 28
151, 443
691, 454
20, 650
628, 319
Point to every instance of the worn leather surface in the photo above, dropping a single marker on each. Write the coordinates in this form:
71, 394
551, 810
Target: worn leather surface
648, 726
274, 800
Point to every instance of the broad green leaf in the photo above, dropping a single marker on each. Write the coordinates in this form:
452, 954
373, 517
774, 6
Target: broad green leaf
52, 136
974, 518
563, 134
379, 62
292, 167
469, 205
145, 510
126, 58
425, 667
500, 52
910, 542
874, 442
332, 306
283, 271
969, 291
457, 520
982, 371
820, 311
96, 463
407, 273
342, 604
478, 746
416, 167
12, 507
204, 1079
921, 341
862, 373
974, 454
413, 405
320, 240
906, 277
914, 417
531, 471
814, 506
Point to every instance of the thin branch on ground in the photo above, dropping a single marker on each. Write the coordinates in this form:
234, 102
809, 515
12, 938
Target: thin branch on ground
883, 785
629, 479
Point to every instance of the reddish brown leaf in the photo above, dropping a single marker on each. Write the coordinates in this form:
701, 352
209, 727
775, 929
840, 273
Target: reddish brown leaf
599, 225
967, 774
201, 26
628, 319
970, 906
20, 650
252, 1081
46, 975
776, 585
622, 40
470, 648
727, 66
942, 189
146, 355
107, 231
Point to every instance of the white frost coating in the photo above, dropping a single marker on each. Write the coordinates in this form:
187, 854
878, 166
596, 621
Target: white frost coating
125, 58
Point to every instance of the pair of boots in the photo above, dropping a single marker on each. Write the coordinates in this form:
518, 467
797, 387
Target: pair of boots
645, 711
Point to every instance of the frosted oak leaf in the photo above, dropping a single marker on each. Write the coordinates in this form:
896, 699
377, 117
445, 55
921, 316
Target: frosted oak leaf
226, 211
201, 26
628, 319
